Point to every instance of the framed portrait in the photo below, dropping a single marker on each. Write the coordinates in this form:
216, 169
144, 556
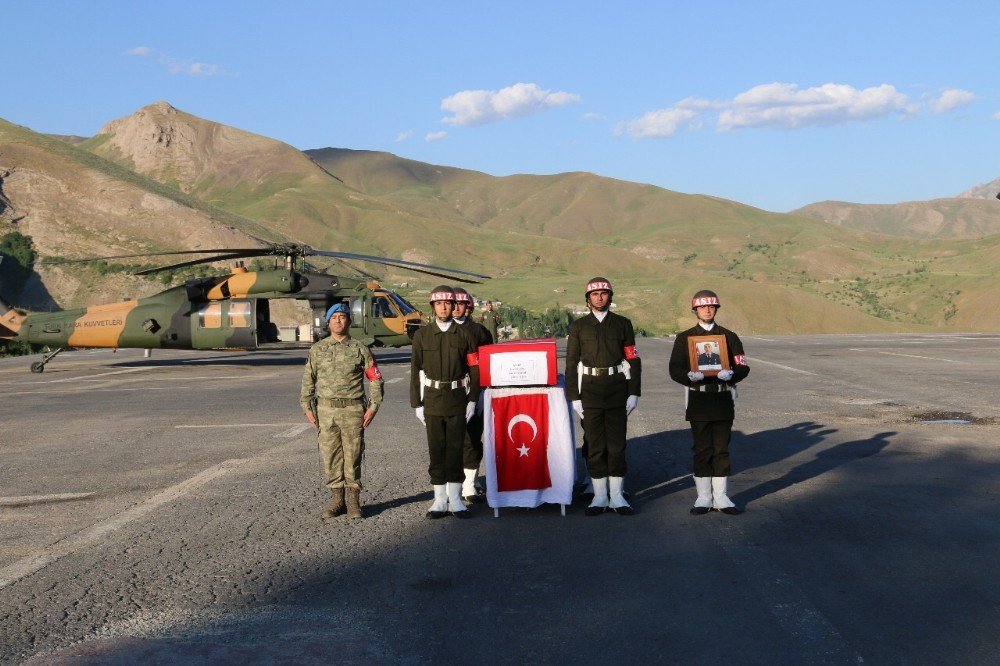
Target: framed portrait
708, 354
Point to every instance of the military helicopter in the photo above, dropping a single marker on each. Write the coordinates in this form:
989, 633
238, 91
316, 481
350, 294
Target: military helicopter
232, 311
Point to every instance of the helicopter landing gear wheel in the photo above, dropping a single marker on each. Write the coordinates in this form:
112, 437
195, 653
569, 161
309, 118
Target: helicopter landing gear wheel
39, 366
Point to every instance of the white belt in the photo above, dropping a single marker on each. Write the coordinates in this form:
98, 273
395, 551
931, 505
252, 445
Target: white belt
624, 367
598, 372
711, 388
701, 388
458, 383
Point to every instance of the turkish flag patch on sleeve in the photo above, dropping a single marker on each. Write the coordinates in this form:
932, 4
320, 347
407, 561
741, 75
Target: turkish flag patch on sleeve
372, 373
631, 353
740, 359
521, 435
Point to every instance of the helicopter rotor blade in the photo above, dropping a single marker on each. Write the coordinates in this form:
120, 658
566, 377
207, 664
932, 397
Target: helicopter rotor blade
439, 271
203, 260
357, 270
156, 254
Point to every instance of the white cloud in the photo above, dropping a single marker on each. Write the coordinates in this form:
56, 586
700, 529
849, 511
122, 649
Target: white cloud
783, 105
435, 136
403, 136
658, 124
178, 65
996, 116
478, 107
950, 99
202, 69
593, 116
664, 123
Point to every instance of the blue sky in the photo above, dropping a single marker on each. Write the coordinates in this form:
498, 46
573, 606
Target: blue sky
774, 104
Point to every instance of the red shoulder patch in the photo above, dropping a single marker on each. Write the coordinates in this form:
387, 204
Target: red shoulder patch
630, 352
740, 359
373, 373
472, 360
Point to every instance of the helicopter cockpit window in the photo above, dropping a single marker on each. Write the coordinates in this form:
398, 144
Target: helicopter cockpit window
403, 305
239, 314
381, 308
210, 316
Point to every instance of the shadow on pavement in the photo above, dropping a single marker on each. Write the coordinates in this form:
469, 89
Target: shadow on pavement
372, 510
914, 586
241, 360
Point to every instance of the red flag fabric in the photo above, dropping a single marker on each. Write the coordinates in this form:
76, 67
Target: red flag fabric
521, 431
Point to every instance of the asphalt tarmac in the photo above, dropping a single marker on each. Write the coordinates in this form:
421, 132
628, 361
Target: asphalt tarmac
166, 510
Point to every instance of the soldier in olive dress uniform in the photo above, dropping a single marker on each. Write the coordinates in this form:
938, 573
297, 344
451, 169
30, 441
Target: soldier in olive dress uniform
710, 407
472, 454
603, 382
444, 388
333, 399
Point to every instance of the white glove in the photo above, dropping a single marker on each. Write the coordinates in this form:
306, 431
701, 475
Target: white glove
695, 376
631, 404
725, 375
470, 410
578, 407
420, 415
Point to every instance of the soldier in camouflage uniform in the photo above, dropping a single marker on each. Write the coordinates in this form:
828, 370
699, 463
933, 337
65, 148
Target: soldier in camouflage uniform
490, 319
333, 399
472, 454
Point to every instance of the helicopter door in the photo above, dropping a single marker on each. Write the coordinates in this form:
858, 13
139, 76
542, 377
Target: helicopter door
225, 325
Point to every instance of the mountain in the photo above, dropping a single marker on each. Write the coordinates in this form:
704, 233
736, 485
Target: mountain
938, 218
74, 204
541, 237
990, 190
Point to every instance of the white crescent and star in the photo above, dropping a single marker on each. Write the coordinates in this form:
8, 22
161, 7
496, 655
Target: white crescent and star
522, 418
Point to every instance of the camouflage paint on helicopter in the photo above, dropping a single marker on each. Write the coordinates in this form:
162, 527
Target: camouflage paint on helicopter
230, 311
227, 312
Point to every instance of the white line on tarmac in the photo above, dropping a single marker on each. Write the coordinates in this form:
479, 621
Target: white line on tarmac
819, 640
42, 499
393, 381
170, 379
95, 390
664, 484
294, 432
926, 358
240, 425
103, 374
757, 359
97, 531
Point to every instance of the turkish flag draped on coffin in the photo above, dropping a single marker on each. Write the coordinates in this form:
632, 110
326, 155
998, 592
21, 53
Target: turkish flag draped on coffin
521, 431
529, 448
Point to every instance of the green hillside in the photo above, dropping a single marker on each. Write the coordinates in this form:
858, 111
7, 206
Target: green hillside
939, 218
542, 237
